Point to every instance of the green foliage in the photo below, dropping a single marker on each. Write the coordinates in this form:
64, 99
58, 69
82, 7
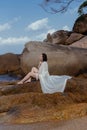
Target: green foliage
81, 18
62, 6
82, 6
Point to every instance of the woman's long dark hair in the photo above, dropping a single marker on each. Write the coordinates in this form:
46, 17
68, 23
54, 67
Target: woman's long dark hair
44, 57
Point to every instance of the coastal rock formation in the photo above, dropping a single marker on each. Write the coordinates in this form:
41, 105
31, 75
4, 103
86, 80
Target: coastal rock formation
61, 59
82, 43
26, 114
66, 38
77, 34
73, 38
14, 64
69, 38
58, 37
80, 25
10, 64
26, 103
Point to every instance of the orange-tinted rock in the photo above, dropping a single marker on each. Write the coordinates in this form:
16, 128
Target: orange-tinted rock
25, 114
26, 103
10, 63
75, 91
15, 89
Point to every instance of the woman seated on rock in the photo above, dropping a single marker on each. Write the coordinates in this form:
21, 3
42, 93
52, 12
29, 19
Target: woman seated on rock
49, 83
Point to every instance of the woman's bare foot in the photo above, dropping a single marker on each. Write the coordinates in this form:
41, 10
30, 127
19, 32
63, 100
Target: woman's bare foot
28, 81
20, 82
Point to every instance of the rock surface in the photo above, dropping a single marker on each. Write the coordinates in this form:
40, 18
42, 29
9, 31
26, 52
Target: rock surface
82, 43
63, 37
70, 38
73, 38
58, 37
27, 104
74, 124
80, 25
10, 64
61, 59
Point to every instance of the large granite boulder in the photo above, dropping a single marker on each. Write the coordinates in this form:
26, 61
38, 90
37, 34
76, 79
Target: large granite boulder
73, 38
61, 59
80, 25
82, 43
10, 63
58, 37
63, 37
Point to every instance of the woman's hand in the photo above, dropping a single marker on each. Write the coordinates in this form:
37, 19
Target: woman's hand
39, 64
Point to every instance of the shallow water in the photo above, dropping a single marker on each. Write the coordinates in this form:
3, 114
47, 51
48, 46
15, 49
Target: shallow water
7, 77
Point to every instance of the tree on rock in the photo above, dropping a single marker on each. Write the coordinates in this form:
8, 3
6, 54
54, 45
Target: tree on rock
56, 6
82, 7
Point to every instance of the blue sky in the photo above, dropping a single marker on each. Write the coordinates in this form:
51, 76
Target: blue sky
24, 20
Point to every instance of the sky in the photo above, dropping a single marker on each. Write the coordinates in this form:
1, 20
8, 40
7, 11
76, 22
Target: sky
22, 21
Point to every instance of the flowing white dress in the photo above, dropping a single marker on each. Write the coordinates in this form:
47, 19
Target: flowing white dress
51, 83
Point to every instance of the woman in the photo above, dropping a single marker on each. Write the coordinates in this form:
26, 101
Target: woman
49, 83
34, 71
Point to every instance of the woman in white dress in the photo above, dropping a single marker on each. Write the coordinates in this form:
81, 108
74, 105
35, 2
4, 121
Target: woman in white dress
49, 83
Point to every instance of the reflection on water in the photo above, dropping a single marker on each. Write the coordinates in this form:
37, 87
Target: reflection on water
7, 77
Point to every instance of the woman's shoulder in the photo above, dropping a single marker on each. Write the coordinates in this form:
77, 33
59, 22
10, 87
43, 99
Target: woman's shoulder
44, 62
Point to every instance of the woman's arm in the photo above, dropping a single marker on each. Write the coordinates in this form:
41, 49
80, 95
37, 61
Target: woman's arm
39, 64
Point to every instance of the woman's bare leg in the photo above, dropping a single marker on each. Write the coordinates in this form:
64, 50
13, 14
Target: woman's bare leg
32, 74
27, 78
34, 69
28, 81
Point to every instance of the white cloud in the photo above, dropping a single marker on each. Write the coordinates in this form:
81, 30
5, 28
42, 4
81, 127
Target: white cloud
51, 30
66, 28
8, 25
4, 27
14, 40
39, 24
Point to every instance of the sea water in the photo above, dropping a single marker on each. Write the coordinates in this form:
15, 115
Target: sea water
7, 77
